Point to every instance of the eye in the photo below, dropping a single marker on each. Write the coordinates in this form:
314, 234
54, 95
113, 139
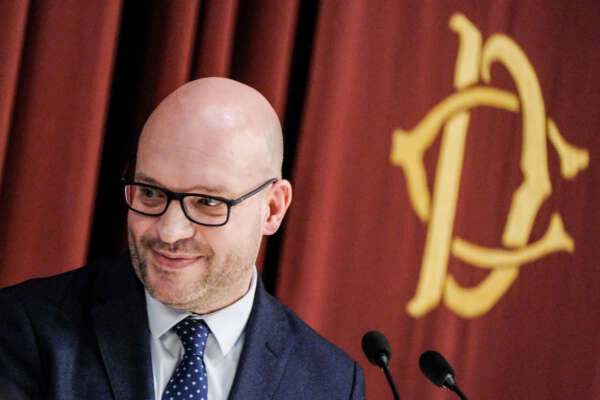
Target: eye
150, 196
205, 205
207, 202
149, 193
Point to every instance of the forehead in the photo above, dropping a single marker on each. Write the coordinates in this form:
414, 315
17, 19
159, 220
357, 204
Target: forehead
203, 158
209, 132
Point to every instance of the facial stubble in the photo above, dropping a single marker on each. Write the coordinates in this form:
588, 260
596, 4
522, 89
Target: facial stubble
221, 283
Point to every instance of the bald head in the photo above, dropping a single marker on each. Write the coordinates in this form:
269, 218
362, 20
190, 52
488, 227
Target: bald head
219, 118
211, 139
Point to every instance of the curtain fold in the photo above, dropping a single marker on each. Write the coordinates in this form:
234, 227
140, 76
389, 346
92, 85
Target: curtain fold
13, 19
216, 38
56, 132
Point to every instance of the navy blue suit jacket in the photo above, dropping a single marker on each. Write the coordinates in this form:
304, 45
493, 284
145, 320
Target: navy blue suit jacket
84, 335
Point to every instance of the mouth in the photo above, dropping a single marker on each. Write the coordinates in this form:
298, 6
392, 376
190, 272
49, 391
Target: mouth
173, 261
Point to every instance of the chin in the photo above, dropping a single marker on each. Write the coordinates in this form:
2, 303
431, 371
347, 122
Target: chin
174, 291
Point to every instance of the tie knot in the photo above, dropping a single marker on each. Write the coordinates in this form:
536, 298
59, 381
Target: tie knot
193, 334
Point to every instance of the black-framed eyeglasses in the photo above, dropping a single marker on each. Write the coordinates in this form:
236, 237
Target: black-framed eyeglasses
199, 208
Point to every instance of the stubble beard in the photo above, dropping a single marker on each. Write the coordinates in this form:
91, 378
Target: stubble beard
217, 287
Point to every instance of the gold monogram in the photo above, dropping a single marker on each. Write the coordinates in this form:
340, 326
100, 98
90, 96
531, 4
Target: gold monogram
453, 113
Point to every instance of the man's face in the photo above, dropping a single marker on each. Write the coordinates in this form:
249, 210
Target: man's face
183, 264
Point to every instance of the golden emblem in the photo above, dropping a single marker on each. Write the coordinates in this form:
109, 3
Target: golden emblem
408, 147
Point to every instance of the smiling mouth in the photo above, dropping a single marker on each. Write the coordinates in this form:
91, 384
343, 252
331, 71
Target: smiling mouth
173, 261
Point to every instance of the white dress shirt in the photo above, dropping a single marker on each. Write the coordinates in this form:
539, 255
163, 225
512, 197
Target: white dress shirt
223, 347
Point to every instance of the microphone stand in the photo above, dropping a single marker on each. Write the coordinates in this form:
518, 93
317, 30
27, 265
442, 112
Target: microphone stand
460, 394
450, 383
388, 375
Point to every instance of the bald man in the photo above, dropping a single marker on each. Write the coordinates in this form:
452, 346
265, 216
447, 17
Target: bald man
185, 314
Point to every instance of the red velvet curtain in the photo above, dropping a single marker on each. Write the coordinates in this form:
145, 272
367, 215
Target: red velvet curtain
56, 71
79, 80
384, 215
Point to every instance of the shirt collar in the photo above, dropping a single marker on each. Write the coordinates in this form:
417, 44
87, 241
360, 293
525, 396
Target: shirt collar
226, 324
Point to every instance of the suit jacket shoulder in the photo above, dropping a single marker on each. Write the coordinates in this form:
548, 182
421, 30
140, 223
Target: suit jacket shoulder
80, 334
283, 358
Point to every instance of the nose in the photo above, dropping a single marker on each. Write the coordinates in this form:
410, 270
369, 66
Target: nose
173, 225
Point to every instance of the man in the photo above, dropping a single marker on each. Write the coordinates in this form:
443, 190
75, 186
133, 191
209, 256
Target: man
185, 315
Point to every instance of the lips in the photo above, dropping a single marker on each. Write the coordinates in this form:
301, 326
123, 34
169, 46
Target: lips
173, 261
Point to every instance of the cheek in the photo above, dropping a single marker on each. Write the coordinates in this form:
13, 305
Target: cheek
219, 239
226, 240
138, 225
243, 233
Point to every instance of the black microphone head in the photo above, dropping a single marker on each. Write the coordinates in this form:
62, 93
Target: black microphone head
376, 348
435, 367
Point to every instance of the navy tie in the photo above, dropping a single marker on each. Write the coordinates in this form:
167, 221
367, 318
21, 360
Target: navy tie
189, 379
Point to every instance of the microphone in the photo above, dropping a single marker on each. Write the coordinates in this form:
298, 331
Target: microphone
435, 367
378, 352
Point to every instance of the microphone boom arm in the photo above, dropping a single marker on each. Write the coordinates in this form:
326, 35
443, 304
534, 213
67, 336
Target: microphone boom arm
388, 375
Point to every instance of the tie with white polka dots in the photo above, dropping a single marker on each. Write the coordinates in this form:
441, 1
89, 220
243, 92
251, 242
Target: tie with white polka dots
189, 379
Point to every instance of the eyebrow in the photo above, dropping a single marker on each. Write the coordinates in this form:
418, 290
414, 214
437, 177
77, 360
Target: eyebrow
140, 176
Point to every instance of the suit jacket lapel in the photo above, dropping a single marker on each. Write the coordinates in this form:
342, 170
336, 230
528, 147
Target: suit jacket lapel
266, 350
121, 324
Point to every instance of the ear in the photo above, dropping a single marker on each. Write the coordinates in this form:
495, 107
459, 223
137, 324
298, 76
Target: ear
278, 201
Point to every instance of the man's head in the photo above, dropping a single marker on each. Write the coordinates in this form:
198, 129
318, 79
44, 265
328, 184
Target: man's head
217, 137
